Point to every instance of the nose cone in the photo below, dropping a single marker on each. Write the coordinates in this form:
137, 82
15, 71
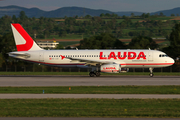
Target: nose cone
171, 61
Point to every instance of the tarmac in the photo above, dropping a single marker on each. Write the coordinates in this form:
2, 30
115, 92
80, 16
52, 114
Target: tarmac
87, 81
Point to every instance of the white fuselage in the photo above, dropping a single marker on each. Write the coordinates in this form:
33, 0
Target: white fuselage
76, 58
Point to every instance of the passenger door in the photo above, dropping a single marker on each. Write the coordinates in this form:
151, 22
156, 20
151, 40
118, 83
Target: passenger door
150, 56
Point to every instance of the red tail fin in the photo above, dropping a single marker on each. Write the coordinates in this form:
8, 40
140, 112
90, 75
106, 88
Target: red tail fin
22, 39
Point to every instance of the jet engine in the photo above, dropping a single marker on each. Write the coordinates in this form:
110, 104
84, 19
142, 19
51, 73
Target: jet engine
111, 68
124, 70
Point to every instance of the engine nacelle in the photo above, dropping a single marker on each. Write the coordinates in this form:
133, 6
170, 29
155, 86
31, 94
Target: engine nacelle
111, 68
124, 69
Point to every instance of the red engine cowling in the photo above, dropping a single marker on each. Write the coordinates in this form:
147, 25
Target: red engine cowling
111, 68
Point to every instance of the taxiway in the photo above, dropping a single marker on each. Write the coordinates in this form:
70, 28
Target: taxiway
87, 81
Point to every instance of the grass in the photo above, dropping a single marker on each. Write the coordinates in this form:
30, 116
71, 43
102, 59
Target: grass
68, 43
90, 108
161, 18
68, 36
87, 73
94, 90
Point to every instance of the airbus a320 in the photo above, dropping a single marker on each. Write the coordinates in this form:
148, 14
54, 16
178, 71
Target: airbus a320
108, 61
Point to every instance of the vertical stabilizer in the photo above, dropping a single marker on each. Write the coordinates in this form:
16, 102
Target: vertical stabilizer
22, 39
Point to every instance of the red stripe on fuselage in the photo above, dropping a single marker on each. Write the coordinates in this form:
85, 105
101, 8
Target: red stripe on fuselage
127, 64
29, 41
148, 64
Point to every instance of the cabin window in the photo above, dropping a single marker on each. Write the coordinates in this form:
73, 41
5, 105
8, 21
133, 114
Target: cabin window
49, 55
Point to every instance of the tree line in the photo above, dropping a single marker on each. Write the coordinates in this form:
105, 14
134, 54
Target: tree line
124, 27
103, 34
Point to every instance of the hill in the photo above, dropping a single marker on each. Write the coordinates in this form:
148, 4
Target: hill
174, 11
71, 11
15, 10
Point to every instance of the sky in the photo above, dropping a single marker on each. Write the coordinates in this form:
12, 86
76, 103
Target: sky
111, 5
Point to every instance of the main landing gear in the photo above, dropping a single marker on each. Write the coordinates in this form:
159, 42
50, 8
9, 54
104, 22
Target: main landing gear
151, 72
94, 73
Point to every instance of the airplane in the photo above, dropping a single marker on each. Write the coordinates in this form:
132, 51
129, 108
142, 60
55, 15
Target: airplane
107, 61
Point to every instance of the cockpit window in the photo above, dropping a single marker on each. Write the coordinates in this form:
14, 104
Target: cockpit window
163, 55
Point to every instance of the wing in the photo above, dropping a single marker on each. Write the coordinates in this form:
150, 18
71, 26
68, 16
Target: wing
90, 62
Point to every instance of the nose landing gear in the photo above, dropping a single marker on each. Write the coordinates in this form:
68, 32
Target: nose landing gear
151, 72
